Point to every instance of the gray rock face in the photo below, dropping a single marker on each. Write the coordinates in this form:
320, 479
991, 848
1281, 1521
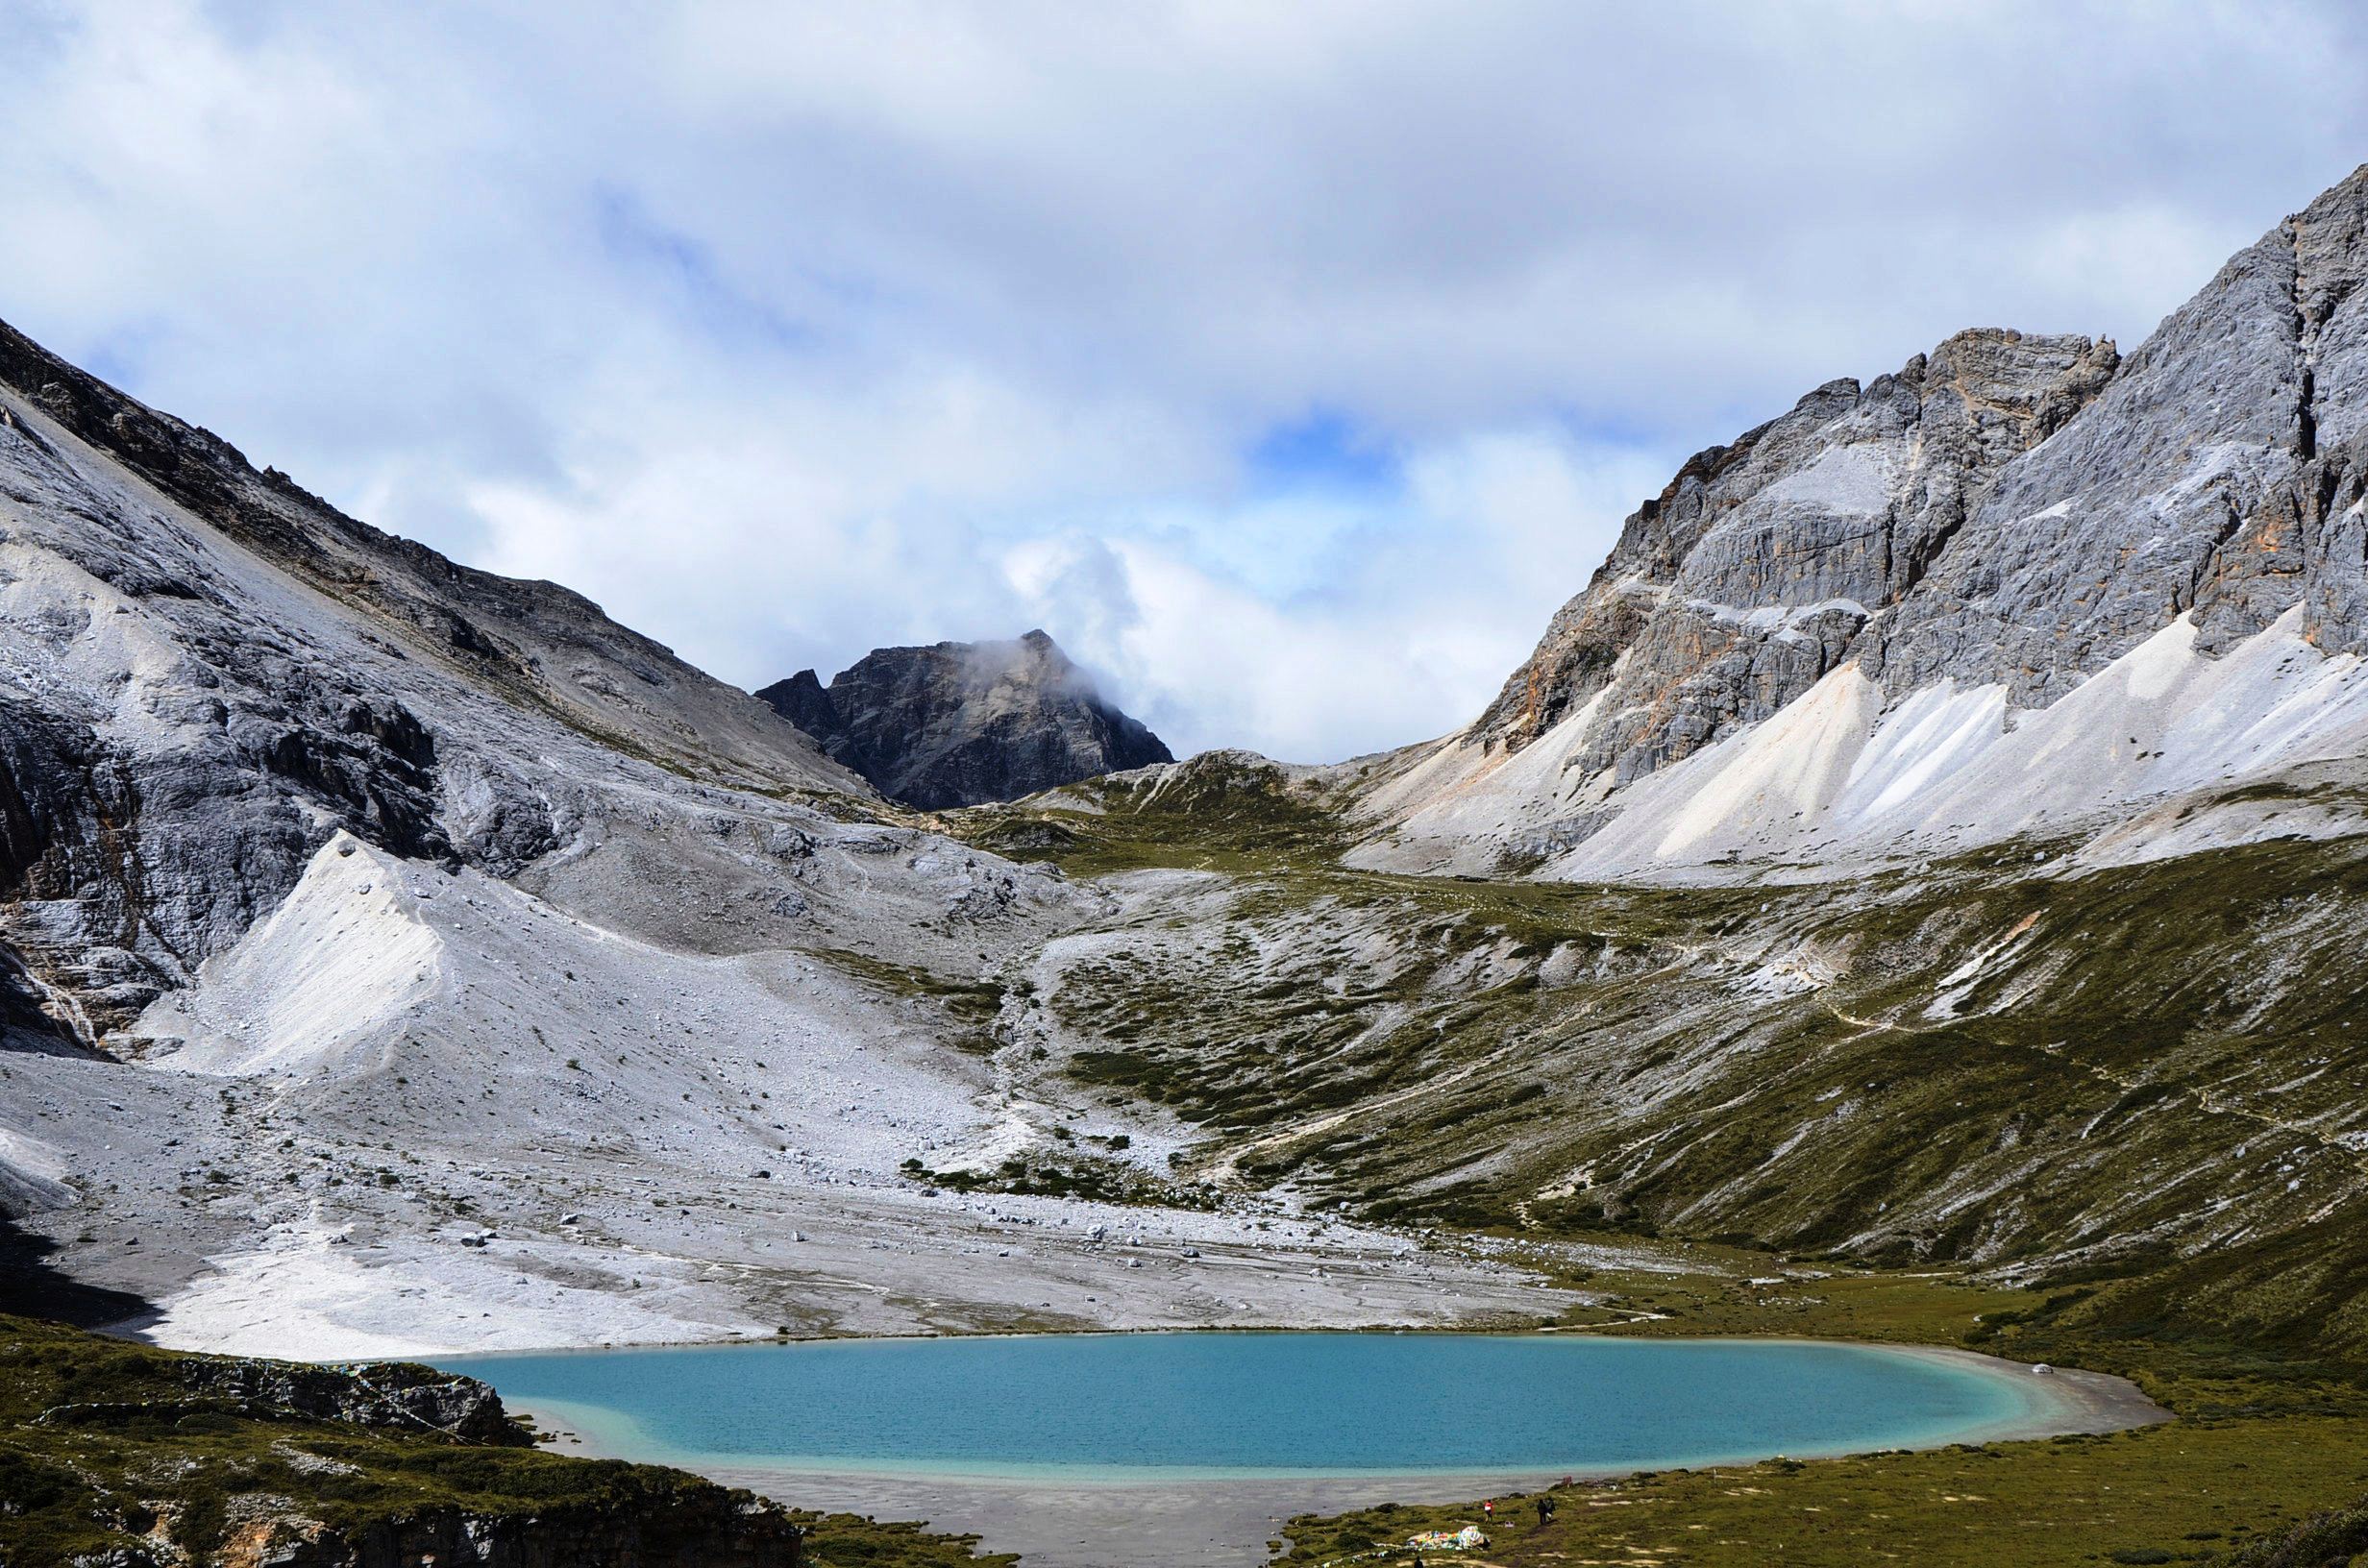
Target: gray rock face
2011, 509
2220, 473
206, 672
1759, 566
962, 723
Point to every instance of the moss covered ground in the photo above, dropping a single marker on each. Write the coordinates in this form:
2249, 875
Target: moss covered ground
104, 1447
2194, 1491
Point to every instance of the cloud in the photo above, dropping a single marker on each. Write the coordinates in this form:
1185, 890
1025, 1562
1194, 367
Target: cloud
1415, 607
1289, 363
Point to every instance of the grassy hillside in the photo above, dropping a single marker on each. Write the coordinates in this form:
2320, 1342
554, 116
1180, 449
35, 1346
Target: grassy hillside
2055, 1073
2106, 1116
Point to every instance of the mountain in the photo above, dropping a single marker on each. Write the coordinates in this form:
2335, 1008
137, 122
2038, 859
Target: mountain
1935, 835
964, 723
355, 904
2023, 583
1922, 874
209, 673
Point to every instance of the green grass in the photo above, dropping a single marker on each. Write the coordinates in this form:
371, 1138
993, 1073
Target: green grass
1216, 812
971, 1006
106, 1444
2264, 1442
2193, 1491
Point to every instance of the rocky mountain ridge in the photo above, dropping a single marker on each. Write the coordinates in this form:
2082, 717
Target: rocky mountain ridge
1938, 844
208, 672
966, 723
1931, 557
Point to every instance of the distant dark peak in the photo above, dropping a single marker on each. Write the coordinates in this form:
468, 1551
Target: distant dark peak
805, 702
963, 723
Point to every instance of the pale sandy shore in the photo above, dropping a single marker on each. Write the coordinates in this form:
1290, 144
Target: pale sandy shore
1229, 1522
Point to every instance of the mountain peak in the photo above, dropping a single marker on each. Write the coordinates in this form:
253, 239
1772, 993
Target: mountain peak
1996, 525
964, 723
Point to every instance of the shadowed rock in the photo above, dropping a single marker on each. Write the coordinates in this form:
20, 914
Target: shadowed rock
961, 724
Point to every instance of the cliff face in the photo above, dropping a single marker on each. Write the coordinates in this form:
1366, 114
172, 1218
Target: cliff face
1997, 525
1755, 571
2220, 474
962, 723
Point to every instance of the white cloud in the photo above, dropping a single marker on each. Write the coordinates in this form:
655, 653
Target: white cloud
1419, 611
784, 331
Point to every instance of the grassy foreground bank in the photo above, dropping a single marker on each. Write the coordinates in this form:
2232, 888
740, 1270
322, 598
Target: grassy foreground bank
123, 1454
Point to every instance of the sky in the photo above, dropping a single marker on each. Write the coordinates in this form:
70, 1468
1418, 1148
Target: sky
1291, 364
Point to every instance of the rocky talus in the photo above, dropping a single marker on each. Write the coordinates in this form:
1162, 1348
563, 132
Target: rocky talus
964, 723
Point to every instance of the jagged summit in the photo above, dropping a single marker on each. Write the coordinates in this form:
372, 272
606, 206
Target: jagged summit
1823, 637
963, 723
1753, 572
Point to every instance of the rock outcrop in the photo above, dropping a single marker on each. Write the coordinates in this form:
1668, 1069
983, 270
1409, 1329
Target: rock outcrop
117, 1453
395, 1396
964, 723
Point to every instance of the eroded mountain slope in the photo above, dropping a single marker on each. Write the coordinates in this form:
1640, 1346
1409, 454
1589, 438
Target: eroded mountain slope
1829, 619
354, 903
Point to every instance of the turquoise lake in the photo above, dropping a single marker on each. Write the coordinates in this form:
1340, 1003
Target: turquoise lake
1168, 1406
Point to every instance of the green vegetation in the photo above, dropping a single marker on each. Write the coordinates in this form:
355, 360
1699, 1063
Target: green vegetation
2101, 1116
1971, 1064
2189, 1492
2331, 1539
1220, 812
971, 1006
2261, 1446
845, 1540
107, 1446
1076, 1176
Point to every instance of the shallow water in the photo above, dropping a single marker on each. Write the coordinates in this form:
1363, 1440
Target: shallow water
1183, 1406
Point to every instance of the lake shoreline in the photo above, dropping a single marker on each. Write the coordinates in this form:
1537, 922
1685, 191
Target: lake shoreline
1225, 1520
